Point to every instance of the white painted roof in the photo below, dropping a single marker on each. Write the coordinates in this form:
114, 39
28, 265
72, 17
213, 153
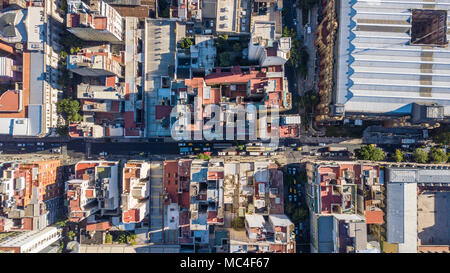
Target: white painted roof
378, 71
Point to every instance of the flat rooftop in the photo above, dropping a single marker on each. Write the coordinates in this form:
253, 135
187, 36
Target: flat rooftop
391, 54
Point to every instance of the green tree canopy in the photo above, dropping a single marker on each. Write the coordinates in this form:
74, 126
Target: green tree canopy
368, 152
420, 156
442, 138
69, 108
238, 223
186, 43
438, 155
225, 59
299, 214
398, 156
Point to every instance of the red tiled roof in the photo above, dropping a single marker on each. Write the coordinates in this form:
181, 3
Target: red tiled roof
100, 226
374, 217
131, 216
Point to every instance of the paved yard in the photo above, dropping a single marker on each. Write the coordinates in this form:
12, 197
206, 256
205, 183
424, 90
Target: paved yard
433, 218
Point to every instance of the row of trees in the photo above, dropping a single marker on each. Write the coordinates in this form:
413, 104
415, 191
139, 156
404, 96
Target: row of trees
299, 56
435, 155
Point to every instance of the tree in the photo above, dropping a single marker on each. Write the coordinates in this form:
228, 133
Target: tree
70, 109
186, 43
420, 156
70, 235
238, 223
131, 239
289, 32
62, 130
299, 214
398, 156
368, 152
201, 156
442, 138
207, 157
108, 238
237, 47
75, 49
438, 155
225, 59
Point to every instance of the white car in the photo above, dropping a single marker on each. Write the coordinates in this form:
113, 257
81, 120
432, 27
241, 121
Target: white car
40, 144
103, 153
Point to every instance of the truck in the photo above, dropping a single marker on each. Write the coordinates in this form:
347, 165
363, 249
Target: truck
337, 149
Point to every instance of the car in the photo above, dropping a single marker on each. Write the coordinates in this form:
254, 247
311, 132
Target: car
296, 231
265, 154
258, 144
300, 226
101, 153
322, 144
40, 148
295, 191
242, 153
290, 189
293, 171
308, 30
1, 144
290, 198
295, 22
190, 144
299, 148
273, 153
40, 144
206, 149
295, 198
181, 144
295, 181
30, 144
293, 144
289, 171
196, 149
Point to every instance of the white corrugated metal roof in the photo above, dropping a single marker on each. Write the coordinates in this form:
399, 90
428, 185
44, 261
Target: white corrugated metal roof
378, 70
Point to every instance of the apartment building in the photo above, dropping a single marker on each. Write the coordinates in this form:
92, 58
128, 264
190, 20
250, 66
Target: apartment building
24, 112
30, 195
96, 22
266, 47
94, 193
340, 197
135, 193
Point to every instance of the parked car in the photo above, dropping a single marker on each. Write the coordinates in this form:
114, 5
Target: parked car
181, 144
295, 198
290, 198
101, 154
40, 144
